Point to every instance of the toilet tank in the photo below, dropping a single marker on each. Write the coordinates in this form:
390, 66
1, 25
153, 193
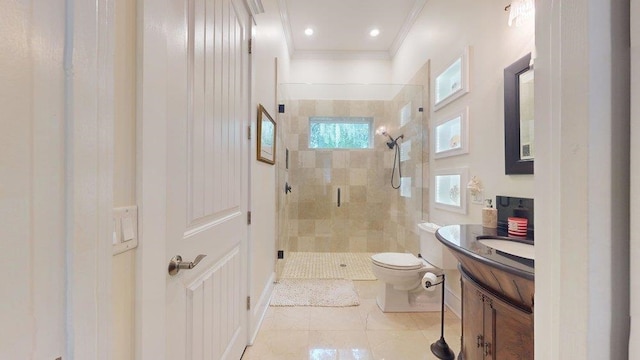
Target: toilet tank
432, 249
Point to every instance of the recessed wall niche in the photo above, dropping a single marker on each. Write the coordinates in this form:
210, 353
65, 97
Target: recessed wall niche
452, 82
451, 135
450, 189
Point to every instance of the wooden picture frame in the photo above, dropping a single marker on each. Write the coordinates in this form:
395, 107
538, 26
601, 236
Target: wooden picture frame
266, 137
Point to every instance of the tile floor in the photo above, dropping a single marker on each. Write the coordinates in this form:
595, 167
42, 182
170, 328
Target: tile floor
334, 265
359, 332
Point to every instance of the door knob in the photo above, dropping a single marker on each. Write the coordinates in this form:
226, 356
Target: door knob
176, 263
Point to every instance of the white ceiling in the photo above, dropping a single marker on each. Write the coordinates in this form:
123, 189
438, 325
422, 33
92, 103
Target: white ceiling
341, 27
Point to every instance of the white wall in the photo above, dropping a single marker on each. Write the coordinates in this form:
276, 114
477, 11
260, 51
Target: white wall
268, 44
441, 33
340, 71
582, 178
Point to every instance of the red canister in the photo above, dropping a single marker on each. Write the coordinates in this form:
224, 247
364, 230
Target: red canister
517, 226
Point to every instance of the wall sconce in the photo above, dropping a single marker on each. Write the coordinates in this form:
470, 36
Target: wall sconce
475, 189
520, 10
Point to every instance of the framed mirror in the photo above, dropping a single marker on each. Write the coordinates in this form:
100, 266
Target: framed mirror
519, 144
266, 136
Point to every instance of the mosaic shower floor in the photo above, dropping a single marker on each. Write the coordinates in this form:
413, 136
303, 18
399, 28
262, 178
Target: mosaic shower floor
323, 265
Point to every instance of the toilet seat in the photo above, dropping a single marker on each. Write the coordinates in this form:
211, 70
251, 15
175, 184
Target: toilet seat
397, 261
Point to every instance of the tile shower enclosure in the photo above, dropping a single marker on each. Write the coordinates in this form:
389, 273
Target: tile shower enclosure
372, 216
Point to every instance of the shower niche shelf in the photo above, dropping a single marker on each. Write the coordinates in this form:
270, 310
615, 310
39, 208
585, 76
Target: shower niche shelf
451, 135
452, 82
450, 189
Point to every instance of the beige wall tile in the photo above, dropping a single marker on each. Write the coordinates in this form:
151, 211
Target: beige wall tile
306, 243
293, 143
357, 176
324, 108
307, 159
340, 158
323, 227
363, 177
339, 176
358, 194
307, 211
357, 243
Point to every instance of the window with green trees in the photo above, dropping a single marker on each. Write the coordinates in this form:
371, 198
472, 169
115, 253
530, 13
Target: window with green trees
340, 132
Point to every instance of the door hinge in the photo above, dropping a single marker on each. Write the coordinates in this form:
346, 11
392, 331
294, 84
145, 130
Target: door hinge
250, 45
248, 302
248, 217
249, 132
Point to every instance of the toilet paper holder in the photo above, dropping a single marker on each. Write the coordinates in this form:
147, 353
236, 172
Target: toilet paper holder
440, 348
429, 284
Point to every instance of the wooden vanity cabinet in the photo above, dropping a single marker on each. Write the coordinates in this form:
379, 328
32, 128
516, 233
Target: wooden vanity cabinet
491, 327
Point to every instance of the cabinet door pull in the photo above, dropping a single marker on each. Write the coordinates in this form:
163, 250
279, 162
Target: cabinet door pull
479, 343
487, 349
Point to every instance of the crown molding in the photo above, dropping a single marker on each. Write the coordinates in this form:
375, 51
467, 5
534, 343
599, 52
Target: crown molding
418, 5
341, 55
286, 25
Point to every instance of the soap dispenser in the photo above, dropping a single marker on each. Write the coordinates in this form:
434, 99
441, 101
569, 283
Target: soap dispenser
489, 215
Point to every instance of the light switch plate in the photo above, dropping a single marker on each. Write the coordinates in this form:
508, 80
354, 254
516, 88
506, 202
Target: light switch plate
125, 223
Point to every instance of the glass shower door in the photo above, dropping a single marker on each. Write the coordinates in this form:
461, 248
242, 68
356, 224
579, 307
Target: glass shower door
342, 199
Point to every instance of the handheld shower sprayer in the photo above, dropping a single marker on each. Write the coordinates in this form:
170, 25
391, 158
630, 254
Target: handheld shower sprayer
393, 143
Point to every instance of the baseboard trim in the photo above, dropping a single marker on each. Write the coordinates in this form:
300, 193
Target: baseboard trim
260, 309
453, 302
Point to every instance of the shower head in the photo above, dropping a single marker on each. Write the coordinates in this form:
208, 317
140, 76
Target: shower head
392, 142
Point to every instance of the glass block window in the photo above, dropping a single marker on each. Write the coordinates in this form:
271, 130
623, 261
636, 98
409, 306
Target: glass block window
340, 132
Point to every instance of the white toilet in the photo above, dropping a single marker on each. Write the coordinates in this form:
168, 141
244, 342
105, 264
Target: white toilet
400, 274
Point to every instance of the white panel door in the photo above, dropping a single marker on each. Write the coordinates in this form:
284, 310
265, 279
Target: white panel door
207, 178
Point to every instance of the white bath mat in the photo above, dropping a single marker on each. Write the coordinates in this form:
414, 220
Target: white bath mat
318, 265
315, 292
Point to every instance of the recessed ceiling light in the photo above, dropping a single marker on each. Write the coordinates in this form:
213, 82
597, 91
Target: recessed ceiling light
374, 32
308, 31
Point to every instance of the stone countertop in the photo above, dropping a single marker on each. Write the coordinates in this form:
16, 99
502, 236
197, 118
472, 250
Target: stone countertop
464, 239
